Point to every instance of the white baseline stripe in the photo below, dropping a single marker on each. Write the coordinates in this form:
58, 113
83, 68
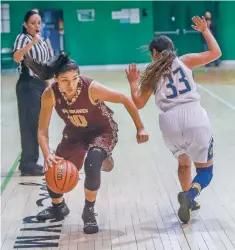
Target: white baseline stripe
216, 97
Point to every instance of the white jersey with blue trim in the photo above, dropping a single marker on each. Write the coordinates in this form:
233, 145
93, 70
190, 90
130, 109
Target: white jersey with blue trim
178, 88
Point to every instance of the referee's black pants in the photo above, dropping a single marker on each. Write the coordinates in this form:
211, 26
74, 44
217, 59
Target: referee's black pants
29, 91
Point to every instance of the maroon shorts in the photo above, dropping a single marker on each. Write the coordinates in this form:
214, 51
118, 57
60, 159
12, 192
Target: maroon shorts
74, 145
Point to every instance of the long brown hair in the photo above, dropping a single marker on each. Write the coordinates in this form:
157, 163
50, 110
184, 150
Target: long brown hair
160, 68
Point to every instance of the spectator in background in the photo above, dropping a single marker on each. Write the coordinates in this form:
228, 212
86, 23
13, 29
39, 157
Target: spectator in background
212, 27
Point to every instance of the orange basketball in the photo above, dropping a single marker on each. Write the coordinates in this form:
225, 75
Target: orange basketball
62, 177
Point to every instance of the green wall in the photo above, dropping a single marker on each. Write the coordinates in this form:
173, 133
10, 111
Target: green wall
107, 41
226, 29
190, 42
104, 41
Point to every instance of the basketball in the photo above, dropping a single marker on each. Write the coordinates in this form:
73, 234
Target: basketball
62, 177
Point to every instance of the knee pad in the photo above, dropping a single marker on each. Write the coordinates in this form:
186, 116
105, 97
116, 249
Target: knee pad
92, 168
204, 176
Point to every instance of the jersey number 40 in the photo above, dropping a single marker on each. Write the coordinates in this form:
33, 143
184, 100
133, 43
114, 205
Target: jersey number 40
171, 85
78, 120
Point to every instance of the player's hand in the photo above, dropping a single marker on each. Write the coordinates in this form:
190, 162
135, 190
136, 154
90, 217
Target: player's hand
200, 23
142, 136
132, 73
50, 160
36, 38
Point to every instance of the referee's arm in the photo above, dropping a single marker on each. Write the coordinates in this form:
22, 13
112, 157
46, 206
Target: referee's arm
21, 47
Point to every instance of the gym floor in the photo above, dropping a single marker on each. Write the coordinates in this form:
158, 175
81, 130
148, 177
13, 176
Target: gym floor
137, 202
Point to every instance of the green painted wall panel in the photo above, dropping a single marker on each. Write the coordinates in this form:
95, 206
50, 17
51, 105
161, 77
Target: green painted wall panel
104, 41
226, 29
107, 41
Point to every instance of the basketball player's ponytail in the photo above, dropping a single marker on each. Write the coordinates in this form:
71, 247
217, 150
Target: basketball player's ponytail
53, 67
42, 70
160, 68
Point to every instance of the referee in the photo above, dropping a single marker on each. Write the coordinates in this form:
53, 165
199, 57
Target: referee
29, 91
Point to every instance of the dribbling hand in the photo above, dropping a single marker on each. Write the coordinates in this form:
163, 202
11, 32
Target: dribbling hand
200, 23
50, 160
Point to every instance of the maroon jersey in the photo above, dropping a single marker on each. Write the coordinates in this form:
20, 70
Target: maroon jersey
82, 112
88, 123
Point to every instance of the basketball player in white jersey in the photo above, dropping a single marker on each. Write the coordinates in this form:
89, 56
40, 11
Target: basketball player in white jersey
185, 126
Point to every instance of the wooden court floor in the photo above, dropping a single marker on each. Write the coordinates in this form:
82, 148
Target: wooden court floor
137, 202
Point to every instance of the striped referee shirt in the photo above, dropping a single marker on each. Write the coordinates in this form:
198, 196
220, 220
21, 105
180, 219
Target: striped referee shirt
39, 51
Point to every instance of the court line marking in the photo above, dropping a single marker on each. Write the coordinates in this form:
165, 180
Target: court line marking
228, 104
10, 173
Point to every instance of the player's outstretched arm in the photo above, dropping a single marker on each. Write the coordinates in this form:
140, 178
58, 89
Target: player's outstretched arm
199, 59
139, 97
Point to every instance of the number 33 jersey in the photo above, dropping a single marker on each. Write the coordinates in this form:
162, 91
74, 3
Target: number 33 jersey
82, 112
177, 88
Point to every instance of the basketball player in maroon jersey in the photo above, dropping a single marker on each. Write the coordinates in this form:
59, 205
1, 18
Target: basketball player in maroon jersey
90, 129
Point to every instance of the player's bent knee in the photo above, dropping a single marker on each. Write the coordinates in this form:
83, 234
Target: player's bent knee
184, 167
92, 168
184, 161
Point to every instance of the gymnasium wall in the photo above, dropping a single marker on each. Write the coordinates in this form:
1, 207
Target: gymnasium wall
104, 41
170, 16
107, 41
226, 29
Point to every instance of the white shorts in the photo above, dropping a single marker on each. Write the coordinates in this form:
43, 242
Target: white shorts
186, 129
